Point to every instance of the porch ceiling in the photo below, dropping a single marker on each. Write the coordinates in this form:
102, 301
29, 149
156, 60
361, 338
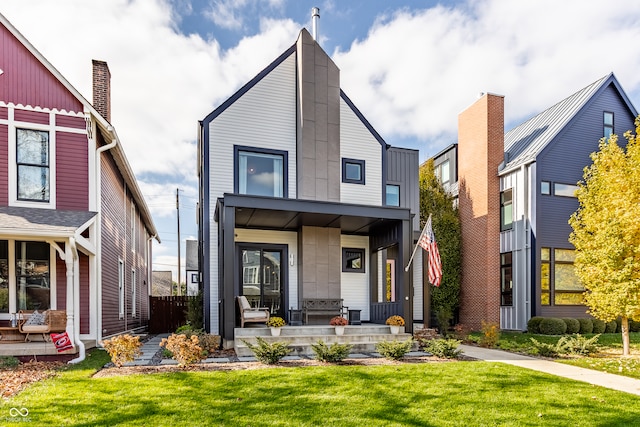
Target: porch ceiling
291, 214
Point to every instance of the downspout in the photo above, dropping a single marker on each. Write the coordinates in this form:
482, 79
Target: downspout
98, 171
76, 304
149, 267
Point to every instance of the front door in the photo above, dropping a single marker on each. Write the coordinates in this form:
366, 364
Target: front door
262, 278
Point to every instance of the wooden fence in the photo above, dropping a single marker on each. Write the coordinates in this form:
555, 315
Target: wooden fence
168, 313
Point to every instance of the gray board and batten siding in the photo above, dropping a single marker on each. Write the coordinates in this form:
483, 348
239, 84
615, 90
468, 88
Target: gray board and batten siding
402, 170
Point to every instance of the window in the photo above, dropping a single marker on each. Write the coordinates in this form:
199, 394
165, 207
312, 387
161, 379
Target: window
133, 293
607, 124
33, 289
506, 210
545, 187
260, 172
353, 171
506, 279
390, 287
121, 289
565, 190
32, 161
4, 276
393, 195
353, 260
133, 227
444, 174
559, 284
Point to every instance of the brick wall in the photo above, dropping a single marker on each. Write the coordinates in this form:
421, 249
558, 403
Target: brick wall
102, 89
480, 151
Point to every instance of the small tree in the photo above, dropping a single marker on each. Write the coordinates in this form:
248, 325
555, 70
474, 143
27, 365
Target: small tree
606, 232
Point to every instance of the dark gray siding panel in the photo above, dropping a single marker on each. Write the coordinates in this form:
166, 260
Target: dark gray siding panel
402, 169
450, 154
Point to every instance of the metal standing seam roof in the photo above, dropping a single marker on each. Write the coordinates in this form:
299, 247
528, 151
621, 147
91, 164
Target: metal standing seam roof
523, 143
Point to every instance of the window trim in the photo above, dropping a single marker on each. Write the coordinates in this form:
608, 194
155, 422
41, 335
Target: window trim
134, 293
503, 225
358, 162
346, 268
555, 192
285, 167
120, 289
548, 191
504, 293
605, 126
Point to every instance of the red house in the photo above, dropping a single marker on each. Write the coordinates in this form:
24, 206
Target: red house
75, 231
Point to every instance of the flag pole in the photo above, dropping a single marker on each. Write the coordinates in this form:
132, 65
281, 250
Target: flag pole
417, 243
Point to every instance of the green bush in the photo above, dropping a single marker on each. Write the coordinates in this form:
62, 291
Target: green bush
552, 326
394, 350
331, 354
543, 349
8, 362
586, 325
573, 326
268, 353
598, 326
445, 348
578, 344
611, 327
533, 325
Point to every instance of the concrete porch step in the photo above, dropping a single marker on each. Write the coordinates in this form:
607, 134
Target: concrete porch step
312, 330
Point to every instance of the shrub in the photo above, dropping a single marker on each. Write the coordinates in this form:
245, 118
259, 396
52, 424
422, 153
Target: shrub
395, 320
578, 344
268, 353
586, 325
394, 350
123, 348
209, 343
186, 351
461, 331
275, 322
8, 362
195, 311
331, 354
338, 321
533, 325
611, 327
598, 326
552, 326
544, 349
445, 348
573, 326
490, 334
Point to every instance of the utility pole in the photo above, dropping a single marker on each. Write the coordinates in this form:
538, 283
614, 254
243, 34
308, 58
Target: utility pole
178, 215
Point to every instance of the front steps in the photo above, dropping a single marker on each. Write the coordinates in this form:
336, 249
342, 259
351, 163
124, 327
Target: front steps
363, 338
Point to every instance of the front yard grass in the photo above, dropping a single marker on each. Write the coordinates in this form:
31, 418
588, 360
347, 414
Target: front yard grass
424, 394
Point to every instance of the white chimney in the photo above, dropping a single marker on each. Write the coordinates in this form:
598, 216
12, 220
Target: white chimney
315, 17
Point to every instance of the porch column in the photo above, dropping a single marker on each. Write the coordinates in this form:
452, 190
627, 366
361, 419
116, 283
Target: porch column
229, 270
68, 262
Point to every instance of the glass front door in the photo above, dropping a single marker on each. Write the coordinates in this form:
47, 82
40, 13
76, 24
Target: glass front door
262, 281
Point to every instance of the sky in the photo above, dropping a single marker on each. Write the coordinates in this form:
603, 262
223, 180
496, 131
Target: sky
410, 66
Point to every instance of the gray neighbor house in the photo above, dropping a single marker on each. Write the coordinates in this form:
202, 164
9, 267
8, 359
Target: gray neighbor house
515, 192
300, 197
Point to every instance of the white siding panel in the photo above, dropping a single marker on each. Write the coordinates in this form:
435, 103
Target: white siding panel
354, 287
356, 142
289, 238
418, 290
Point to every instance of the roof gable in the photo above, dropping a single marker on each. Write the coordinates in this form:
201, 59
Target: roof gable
526, 141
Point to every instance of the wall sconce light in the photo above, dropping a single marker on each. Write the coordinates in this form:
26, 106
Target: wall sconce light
291, 262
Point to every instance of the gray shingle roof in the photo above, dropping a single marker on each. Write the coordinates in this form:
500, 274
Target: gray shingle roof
523, 143
48, 222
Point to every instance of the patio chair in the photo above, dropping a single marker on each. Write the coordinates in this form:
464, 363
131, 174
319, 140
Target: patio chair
34, 323
248, 314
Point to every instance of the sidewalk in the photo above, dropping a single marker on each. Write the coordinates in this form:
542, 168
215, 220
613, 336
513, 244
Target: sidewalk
614, 382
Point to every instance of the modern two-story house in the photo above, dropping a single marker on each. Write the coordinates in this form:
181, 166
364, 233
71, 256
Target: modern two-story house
516, 194
302, 198
75, 232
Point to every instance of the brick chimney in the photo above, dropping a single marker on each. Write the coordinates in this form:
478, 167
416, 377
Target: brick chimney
480, 151
102, 89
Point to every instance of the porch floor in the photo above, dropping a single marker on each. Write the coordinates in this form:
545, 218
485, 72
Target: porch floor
363, 338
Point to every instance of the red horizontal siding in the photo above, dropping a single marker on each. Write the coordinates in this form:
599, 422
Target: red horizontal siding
31, 116
4, 113
4, 165
70, 122
26, 81
72, 171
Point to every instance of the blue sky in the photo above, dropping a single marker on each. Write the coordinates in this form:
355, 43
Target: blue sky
410, 66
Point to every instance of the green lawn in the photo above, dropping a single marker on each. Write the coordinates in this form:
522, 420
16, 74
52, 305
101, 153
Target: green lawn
429, 394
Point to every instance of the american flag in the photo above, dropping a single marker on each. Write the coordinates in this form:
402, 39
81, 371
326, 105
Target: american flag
428, 243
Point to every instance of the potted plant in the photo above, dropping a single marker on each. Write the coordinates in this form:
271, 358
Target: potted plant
339, 322
395, 322
275, 323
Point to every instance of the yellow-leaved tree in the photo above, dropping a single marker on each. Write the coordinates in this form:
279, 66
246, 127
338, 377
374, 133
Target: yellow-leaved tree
606, 232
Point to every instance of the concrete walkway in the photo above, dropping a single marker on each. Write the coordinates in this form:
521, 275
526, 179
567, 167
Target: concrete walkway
614, 382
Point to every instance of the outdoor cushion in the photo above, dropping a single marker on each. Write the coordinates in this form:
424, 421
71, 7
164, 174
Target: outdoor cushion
38, 329
255, 315
35, 319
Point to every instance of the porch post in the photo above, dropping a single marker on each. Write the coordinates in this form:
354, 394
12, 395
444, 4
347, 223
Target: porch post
68, 262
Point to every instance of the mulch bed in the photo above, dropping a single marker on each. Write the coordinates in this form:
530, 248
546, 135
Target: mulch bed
14, 379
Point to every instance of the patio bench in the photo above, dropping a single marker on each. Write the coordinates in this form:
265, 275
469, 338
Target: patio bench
323, 307
51, 321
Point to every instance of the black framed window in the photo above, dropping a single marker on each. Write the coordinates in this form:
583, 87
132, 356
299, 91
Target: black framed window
506, 210
260, 172
353, 171
506, 279
353, 260
607, 124
559, 285
545, 187
393, 195
564, 190
32, 161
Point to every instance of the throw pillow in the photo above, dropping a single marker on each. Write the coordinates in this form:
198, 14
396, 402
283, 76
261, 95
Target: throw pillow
61, 341
35, 319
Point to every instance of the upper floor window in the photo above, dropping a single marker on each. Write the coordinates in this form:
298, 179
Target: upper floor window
506, 210
32, 161
393, 195
566, 190
353, 171
545, 187
607, 124
260, 172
